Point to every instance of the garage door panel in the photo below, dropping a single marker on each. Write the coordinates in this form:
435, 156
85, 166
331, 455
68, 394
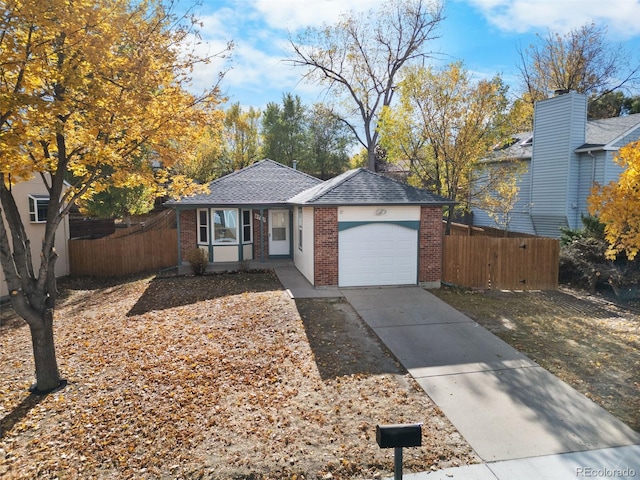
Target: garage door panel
377, 254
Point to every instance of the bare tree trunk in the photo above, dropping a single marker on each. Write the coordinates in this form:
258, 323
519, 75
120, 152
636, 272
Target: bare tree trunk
371, 158
33, 297
44, 353
447, 228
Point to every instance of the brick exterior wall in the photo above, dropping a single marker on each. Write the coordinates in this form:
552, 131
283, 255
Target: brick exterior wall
256, 234
430, 245
325, 248
188, 232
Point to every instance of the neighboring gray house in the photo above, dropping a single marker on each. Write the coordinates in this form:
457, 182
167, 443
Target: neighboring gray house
564, 157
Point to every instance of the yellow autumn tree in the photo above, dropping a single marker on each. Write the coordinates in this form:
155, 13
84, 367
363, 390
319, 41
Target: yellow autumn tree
618, 205
443, 126
85, 88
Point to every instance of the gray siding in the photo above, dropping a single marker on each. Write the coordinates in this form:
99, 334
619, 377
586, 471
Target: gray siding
549, 225
520, 215
612, 170
591, 171
586, 176
554, 191
520, 221
559, 126
631, 136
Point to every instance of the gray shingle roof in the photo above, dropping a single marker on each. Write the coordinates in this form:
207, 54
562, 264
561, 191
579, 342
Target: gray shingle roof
602, 132
598, 133
364, 187
264, 182
519, 148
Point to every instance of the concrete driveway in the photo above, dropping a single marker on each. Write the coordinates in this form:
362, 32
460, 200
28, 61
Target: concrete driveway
525, 423
504, 404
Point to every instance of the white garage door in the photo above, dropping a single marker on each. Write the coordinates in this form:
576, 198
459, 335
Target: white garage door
377, 254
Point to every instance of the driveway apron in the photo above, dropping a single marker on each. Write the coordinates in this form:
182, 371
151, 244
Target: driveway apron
504, 404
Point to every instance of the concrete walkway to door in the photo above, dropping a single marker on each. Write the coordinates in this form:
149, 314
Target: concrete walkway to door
517, 416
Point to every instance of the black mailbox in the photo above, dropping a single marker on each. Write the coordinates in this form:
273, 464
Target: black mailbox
398, 436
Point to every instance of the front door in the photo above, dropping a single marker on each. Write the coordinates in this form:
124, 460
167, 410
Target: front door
279, 232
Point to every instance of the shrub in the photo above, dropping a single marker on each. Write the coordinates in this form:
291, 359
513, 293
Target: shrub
198, 259
583, 262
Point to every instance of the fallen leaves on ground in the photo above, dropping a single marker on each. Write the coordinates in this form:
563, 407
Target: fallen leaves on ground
206, 377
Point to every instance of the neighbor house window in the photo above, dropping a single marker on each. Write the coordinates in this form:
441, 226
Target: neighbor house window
225, 226
203, 226
38, 207
247, 226
300, 228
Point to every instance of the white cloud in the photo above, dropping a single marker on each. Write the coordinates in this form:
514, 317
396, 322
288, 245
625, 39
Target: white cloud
296, 14
252, 72
621, 16
258, 29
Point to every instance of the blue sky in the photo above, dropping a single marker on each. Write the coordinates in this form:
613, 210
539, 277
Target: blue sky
484, 34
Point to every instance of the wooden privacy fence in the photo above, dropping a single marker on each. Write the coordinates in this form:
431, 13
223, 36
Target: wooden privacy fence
472, 231
501, 263
108, 257
163, 220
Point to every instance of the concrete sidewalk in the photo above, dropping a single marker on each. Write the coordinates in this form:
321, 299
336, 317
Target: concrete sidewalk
519, 418
620, 463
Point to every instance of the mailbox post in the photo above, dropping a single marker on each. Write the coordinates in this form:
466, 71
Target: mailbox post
398, 437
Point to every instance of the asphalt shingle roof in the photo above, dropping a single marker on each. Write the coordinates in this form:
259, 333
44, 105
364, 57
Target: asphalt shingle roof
364, 187
602, 132
517, 149
598, 134
264, 182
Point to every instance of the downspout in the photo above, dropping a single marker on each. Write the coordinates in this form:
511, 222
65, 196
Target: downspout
179, 236
262, 235
593, 170
593, 167
530, 205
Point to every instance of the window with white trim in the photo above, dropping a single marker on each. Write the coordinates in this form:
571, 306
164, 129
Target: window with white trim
38, 207
203, 226
300, 228
225, 226
247, 226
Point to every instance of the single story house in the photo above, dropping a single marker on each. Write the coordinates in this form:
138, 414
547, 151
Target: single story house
563, 158
32, 200
357, 229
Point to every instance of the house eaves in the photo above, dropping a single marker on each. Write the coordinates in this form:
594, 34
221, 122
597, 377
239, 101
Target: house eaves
589, 147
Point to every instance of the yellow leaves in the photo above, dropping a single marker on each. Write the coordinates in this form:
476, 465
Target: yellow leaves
92, 86
618, 205
443, 125
181, 186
